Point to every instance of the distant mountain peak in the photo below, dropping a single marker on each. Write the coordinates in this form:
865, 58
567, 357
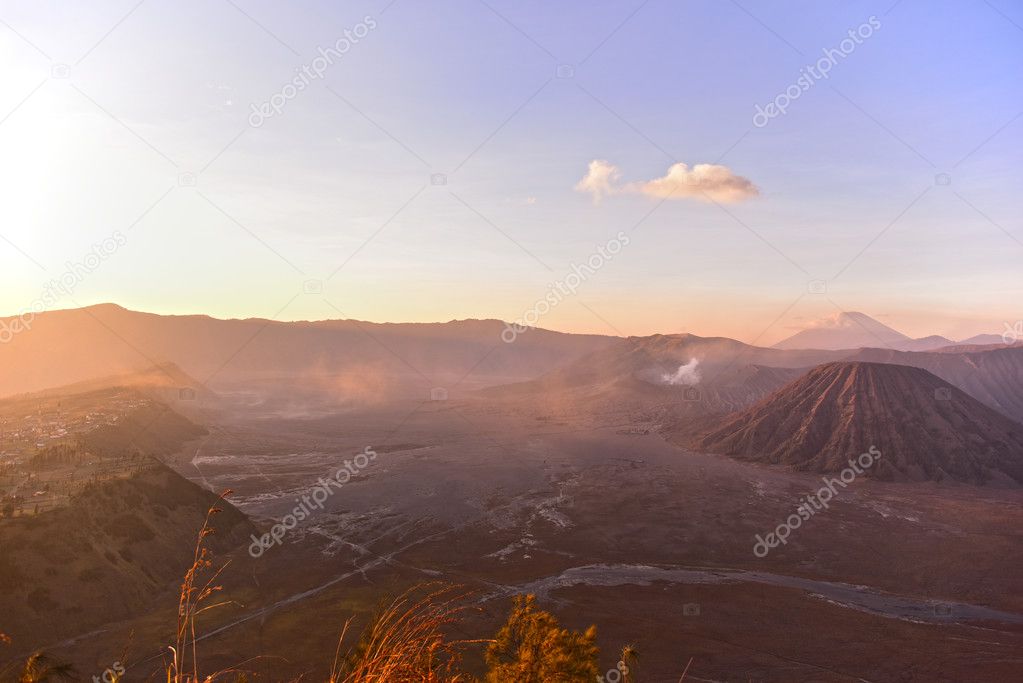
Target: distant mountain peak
845, 330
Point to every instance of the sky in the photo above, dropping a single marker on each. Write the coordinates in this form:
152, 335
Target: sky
437, 162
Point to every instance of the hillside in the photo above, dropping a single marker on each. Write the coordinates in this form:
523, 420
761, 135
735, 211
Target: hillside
662, 380
105, 556
656, 360
926, 428
661, 375
153, 429
993, 376
79, 345
162, 380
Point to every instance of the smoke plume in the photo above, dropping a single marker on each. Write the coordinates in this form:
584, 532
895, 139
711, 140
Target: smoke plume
687, 374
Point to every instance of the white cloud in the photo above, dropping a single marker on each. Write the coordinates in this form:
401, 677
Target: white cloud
706, 182
601, 179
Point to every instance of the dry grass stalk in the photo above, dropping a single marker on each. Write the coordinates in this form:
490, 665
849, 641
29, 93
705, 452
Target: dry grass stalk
406, 643
194, 593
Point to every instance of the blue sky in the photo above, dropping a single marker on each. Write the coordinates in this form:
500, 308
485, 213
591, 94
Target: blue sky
112, 107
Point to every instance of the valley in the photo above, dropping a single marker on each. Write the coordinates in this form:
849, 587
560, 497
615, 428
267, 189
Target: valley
587, 485
609, 528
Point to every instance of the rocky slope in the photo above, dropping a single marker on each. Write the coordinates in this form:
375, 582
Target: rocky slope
925, 428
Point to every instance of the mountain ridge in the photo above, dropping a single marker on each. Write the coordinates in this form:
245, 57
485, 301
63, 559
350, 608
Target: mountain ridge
51, 352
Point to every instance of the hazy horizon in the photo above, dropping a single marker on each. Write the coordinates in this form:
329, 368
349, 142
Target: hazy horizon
826, 322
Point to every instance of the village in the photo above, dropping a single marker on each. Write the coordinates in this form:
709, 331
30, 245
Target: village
44, 457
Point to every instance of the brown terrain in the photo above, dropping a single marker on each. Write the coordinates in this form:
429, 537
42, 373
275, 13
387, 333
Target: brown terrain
106, 555
927, 429
992, 375
563, 468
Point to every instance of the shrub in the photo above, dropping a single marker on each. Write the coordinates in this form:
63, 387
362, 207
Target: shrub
532, 647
